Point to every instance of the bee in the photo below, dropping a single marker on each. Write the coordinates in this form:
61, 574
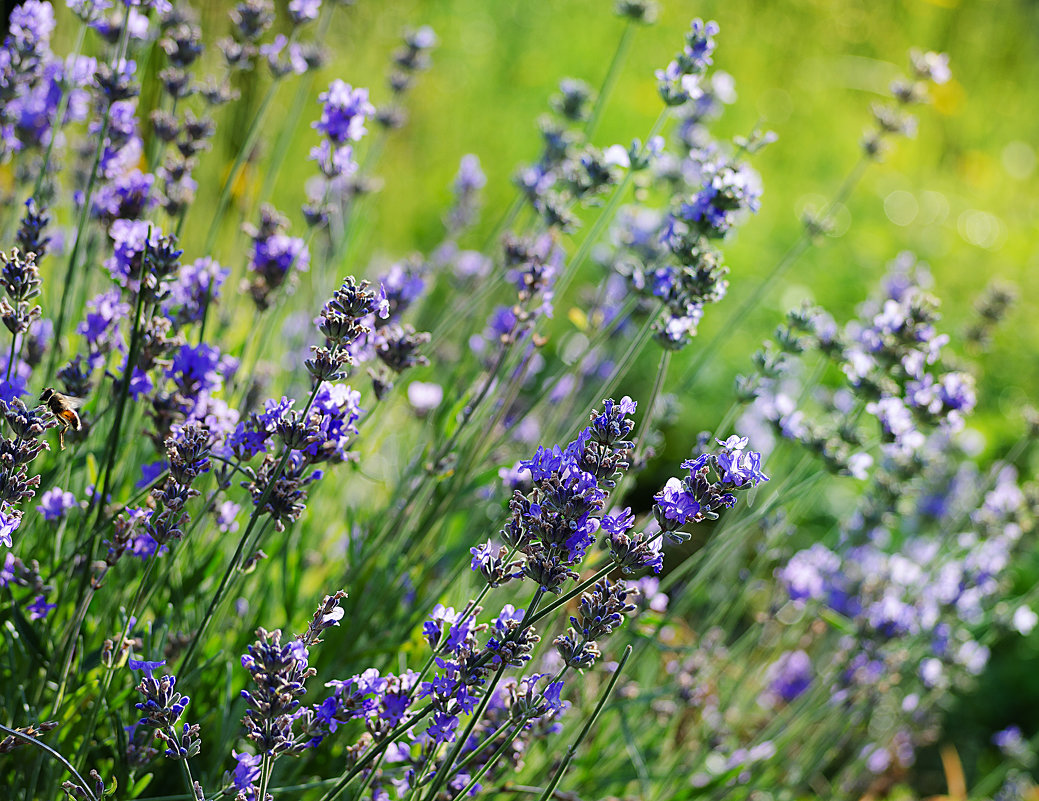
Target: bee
63, 408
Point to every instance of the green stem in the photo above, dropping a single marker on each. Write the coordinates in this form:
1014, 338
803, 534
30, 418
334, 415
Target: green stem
10, 358
236, 558
106, 682
375, 751
266, 766
69, 647
645, 426
425, 754
53, 754
232, 566
445, 769
440, 453
606, 389
610, 80
287, 133
469, 609
658, 385
490, 762
371, 775
471, 757
187, 774
572, 750
124, 392
450, 319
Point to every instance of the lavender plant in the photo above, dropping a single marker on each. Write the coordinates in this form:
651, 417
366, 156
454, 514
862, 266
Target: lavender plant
265, 410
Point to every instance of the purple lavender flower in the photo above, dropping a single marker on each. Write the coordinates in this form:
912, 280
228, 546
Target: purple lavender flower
17, 386
788, 677
55, 502
162, 707
280, 253
424, 397
197, 282
467, 185
105, 314
246, 773
555, 523
302, 11
344, 113
7, 571
125, 197
295, 59
276, 257
227, 517
1012, 743
149, 667
679, 81
39, 608
810, 573
599, 613
449, 630
334, 161
726, 192
274, 719
30, 25
931, 66
675, 503
442, 728
197, 369
150, 472
130, 237
697, 497
631, 552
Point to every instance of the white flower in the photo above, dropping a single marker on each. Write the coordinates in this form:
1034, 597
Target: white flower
1025, 620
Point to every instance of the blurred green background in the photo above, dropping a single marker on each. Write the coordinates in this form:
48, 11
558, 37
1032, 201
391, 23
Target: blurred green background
961, 195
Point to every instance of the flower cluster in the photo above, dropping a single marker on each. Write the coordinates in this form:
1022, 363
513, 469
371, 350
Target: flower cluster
532, 264
892, 362
570, 170
16, 453
347, 322
163, 707
409, 61
713, 480
276, 257
915, 604
678, 83
20, 278
599, 613
343, 116
669, 255
274, 719
554, 524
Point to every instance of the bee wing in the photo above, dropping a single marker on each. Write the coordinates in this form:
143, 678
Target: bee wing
72, 402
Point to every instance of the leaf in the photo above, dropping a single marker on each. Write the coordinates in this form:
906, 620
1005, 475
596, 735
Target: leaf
92, 472
837, 620
29, 635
